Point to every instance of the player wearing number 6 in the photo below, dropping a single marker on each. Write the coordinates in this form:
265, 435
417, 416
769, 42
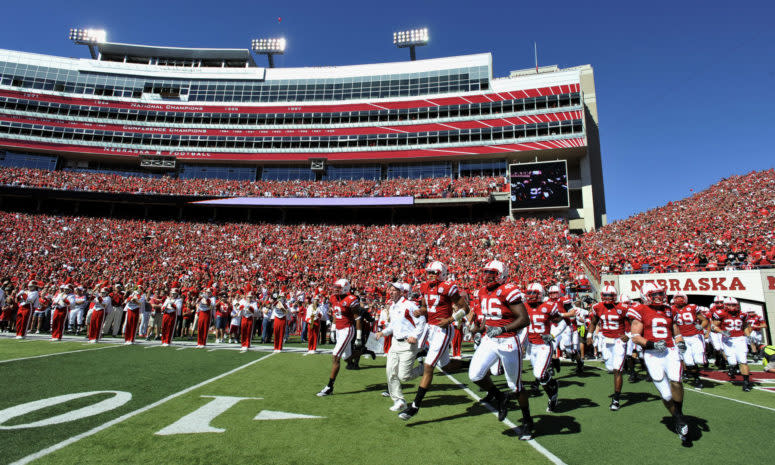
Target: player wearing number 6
653, 329
438, 296
504, 315
611, 319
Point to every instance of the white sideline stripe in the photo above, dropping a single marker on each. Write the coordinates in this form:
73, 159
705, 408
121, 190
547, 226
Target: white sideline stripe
58, 353
115, 421
730, 398
552, 458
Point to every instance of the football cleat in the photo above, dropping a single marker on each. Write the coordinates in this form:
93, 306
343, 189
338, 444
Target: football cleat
731, 373
747, 386
552, 404
682, 429
385, 394
525, 431
488, 399
398, 405
408, 412
503, 406
326, 391
614, 405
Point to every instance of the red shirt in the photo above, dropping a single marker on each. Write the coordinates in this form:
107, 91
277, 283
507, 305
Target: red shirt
685, 317
540, 319
657, 322
494, 305
611, 319
343, 308
438, 298
734, 323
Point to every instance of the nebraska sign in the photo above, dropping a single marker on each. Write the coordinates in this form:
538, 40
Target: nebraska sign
740, 284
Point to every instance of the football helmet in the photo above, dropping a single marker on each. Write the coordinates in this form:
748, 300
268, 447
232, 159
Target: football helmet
554, 292
653, 294
731, 305
495, 272
534, 293
624, 299
718, 300
608, 294
438, 268
342, 286
680, 299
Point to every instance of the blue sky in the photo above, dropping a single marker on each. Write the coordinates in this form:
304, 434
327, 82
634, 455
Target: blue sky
684, 88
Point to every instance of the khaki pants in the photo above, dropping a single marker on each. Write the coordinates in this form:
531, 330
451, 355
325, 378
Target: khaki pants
400, 361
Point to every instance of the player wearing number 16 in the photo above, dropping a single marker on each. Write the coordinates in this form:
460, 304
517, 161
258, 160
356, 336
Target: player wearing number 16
504, 315
438, 296
653, 329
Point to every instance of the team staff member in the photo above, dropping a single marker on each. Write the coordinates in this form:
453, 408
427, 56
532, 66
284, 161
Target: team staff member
653, 329
99, 305
346, 311
438, 296
405, 329
171, 309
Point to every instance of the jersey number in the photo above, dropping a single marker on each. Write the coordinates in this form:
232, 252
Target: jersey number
734, 325
431, 301
491, 308
659, 328
537, 324
610, 322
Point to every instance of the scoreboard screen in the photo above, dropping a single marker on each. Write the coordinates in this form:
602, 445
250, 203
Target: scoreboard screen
541, 185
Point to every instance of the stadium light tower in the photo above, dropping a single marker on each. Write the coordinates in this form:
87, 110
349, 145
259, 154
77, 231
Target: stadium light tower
411, 38
90, 37
269, 47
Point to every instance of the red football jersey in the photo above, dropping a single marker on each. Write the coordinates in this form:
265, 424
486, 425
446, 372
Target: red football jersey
541, 317
495, 304
732, 323
611, 320
343, 309
223, 309
685, 317
657, 322
475, 307
438, 297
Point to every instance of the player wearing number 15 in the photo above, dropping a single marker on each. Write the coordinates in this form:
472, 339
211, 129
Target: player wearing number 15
653, 329
504, 315
612, 319
438, 296
539, 335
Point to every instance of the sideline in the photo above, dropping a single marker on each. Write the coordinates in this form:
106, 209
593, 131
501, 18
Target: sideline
115, 421
552, 458
58, 353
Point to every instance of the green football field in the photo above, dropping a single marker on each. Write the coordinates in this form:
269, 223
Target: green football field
153, 405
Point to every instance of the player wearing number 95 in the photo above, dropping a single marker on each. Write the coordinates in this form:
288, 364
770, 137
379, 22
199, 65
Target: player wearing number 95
504, 315
653, 329
438, 295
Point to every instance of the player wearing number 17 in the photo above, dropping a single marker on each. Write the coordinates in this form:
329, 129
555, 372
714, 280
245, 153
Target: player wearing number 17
653, 329
504, 315
438, 296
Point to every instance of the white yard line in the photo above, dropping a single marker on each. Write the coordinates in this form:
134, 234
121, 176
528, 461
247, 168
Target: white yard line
57, 353
122, 418
541, 449
730, 398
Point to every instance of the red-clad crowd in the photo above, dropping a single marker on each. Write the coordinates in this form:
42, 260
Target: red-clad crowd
94, 181
730, 225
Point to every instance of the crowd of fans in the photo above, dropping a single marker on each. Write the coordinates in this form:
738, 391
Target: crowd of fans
730, 225
97, 181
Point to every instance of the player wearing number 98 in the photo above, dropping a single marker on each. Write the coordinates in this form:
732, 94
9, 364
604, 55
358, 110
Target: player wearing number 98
504, 315
438, 296
653, 329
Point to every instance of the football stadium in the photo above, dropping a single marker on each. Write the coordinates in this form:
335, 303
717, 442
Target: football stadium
208, 258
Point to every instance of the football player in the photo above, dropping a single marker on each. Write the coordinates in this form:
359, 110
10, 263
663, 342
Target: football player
541, 340
346, 312
732, 324
612, 319
504, 315
438, 296
653, 329
715, 337
691, 323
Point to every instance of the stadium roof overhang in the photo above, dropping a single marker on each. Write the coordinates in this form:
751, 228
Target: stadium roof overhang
112, 51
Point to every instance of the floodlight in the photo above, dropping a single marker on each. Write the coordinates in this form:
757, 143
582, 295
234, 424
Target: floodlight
269, 47
411, 38
88, 36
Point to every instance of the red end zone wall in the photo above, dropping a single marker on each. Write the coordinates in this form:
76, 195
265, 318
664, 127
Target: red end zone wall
753, 285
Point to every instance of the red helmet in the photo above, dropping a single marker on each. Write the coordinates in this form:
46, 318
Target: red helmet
680, 299
608, 294
653, 294
534, 293
495, 272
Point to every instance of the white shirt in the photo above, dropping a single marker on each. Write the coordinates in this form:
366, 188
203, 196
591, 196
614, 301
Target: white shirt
139, 303
29, 299
316, 311
247, 308
403, 323
205, 304
278, 311
171, 305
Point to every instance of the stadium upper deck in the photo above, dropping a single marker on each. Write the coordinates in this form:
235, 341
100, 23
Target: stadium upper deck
206, 109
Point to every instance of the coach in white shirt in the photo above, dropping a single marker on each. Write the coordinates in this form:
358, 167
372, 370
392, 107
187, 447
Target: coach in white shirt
406, 330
